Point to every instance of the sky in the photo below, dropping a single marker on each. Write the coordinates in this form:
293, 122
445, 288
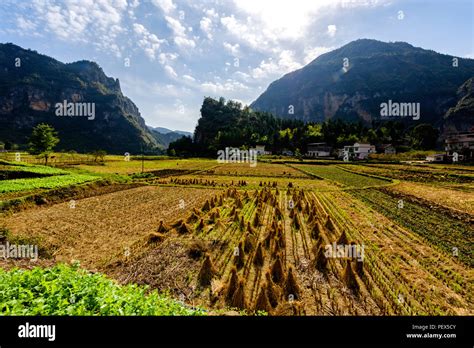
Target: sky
170, 54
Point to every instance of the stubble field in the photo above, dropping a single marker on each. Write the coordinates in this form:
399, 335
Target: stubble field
231, 236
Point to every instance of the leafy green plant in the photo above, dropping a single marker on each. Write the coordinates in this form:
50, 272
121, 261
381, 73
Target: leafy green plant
69, 290
44, 183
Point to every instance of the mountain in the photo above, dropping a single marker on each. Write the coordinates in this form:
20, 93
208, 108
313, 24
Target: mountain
31, 87
460, 118
374, 73
163, 130
165, 136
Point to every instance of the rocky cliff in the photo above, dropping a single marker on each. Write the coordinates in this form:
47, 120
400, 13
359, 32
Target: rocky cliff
31, 86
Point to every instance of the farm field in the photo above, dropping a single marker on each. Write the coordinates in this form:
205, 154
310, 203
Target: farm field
261, 170
120, 166
339, 175
99, 228
456, 178
268, 238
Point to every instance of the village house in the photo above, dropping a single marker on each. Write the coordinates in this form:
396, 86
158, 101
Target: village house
260, 150
461, 143
388, 149
318, 150
359, 151
437, 157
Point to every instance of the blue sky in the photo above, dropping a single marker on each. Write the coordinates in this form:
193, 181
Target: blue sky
169, 54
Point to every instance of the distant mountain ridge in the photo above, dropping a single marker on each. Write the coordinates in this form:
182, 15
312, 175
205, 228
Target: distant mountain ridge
31, 84
163, 130
166, 136
351, 82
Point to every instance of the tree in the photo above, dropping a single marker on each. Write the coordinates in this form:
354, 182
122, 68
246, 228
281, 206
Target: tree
424, 137
8, 145
182, 147
99, 155
43, 140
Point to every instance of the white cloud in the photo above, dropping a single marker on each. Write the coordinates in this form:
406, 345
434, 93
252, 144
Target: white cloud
314, 52
184, 42
286, 63
232, 49
218, 88
25, 24
206, 26
249, 32
179, 32
170, 71
149, 42
166, 5
189, 78
96, 22
211, 13
167, 58
332, 30
175, 26
290, 19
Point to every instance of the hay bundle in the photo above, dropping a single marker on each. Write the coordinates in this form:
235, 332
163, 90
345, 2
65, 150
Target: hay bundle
231, 284
249, 242
238, 299
296, 222
207, 271
316, 231
272, 291
206, 206
263, 303
258, 259
278, 213
350, 278
277, 271
321, 259
250, 229
192, 218
155, 237
239, 256
201, 225
183, 228
343, 238
330, 224
291, 285
162, 228
256, 219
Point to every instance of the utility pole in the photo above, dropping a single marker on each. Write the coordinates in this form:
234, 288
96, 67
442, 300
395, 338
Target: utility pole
143, 159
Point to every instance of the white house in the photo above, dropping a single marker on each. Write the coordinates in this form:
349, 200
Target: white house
260, 150
437, 157
318, 150
359, 151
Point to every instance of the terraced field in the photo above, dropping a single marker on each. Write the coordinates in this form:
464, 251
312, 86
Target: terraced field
299, 239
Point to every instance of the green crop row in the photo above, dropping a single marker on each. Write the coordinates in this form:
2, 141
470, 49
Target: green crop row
69, 290
445, 232
346, 178
49, 182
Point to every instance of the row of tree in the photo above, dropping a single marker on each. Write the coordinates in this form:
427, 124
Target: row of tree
229, 124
